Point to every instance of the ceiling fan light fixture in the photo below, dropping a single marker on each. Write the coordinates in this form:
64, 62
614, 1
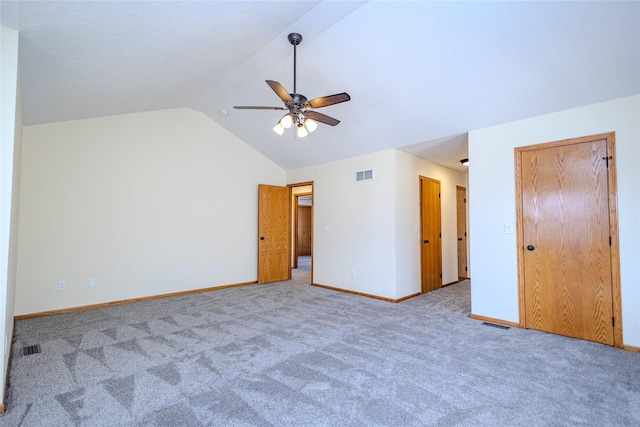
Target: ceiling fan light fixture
302, 131
286, 121
278, 129
302, 112
311, 125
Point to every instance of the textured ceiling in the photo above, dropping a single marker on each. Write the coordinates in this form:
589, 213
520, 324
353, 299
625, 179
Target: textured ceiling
420, 74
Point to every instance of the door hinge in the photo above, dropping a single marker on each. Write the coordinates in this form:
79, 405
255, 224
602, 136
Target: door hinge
609, 240
441, 275
438, 195
465, 200
465, 269
607, 158
465, 234
440, 235
613, 321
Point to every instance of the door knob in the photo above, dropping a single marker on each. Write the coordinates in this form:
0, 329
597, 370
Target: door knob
460, 238
530, 247
425, 241
261, 237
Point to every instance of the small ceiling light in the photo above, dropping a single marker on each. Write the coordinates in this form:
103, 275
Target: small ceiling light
465, 162
311, 125
278, 129
302, 132
286, 121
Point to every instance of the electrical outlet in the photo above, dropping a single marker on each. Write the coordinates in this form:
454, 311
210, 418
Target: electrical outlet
92, 282
187, 272
209, 270
62, 285
353, 272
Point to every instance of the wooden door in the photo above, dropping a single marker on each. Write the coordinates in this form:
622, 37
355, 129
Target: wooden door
274, 238
461, 226
304, 230
566, 239
430, 218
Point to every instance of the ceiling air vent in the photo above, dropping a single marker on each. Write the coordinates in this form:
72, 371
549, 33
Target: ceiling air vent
364, 175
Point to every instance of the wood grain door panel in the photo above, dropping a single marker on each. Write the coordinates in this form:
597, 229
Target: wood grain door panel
430, 218
566, 236
304, 230
461, 227
274, 238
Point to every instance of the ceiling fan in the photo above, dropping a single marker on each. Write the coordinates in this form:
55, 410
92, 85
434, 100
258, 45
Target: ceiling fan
300, 109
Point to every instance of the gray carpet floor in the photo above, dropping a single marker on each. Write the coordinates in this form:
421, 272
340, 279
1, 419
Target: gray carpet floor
289, 354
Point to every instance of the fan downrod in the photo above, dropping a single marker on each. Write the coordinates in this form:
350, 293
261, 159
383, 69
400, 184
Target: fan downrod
294, 38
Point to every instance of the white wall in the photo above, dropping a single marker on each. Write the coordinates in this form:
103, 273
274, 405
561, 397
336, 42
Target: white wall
408, 242
494, 291
359, 217
10, 149
133, 201
372, 223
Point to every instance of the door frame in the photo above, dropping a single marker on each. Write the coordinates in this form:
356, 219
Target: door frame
294, 207
613, 226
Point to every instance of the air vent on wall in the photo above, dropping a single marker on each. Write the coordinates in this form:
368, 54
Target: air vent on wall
364, 175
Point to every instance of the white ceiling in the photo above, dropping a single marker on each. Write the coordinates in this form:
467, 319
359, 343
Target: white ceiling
420, 74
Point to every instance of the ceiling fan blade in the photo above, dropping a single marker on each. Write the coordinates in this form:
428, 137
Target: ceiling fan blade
325, 101
322, 118
280, 91
254, 107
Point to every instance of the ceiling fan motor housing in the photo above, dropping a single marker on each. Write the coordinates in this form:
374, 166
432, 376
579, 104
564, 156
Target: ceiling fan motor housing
297, 105
294, 38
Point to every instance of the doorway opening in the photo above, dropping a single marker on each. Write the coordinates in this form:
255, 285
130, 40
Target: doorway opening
302, 232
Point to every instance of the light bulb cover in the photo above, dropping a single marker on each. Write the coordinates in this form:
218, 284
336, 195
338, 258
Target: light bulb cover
465, 162
311, 125
286, 121
278, 129
302, 132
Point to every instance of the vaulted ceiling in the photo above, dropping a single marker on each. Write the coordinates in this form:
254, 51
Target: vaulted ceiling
420, 74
